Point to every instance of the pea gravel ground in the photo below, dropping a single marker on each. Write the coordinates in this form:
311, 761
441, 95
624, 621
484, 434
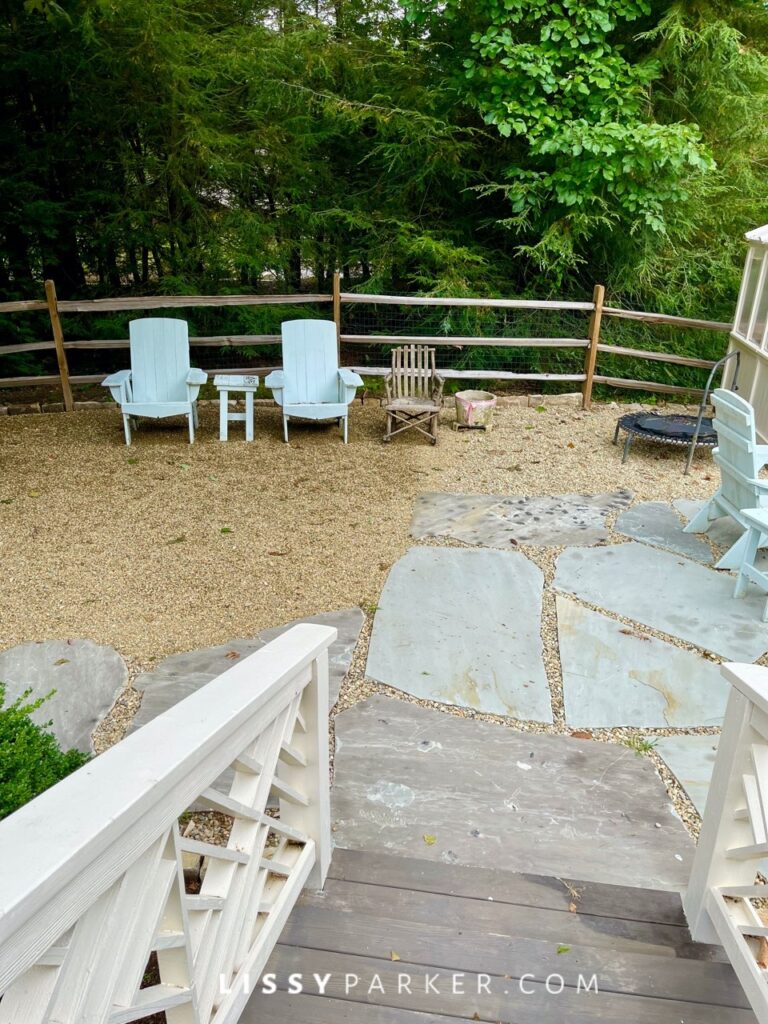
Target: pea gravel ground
163, 547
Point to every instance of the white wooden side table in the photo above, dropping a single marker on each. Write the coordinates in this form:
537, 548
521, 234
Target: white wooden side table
225, 383
757, 519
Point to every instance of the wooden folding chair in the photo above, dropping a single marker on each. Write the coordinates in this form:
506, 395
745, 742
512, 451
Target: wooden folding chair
414, 392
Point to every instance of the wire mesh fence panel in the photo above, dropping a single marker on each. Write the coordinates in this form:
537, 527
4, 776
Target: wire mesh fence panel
486, 341
674, 345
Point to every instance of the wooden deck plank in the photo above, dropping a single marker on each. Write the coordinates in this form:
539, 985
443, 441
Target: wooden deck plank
482, 914
505, 887
284, 1008
503, 1003
447, 948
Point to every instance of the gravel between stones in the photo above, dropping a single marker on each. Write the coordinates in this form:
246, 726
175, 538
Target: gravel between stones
163, 547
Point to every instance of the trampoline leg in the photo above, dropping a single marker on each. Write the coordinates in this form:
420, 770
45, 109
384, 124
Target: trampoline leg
627, 446
616, 435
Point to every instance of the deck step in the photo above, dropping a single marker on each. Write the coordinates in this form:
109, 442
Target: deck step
383, 917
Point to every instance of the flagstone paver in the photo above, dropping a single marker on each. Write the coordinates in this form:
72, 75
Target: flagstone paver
490, 520
85, 676
656, 523
413, 781
181, 674
617, 676
463, 627
724, 531
691, 760
669, 593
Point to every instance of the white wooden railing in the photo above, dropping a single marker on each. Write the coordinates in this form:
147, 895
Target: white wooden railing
733, 846
92, 880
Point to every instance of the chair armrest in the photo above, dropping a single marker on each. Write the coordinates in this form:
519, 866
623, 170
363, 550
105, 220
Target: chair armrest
349, 382
196, 376
194, 379
350, 379
120, 385
275, 381
116, 380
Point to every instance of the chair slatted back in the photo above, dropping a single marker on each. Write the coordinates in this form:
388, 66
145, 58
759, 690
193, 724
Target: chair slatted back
413, 372
159, 359
736, 453
310, 362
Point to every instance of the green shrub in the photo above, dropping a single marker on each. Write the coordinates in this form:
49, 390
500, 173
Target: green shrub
30, 758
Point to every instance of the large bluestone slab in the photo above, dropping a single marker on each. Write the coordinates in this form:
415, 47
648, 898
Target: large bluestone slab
463, 627
668, 593
182, 674
691, 759
503, 522
419, 783
655, 523
86, 677
614, 675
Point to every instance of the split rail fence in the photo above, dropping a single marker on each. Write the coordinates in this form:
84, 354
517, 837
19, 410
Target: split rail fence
365, 351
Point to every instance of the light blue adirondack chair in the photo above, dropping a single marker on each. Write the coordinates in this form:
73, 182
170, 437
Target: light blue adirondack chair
740, 459
160, 382
310, 385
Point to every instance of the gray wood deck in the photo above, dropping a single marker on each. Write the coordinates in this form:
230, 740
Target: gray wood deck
380, 917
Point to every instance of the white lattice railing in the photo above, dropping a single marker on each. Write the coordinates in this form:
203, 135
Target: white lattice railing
92, 879
723, 903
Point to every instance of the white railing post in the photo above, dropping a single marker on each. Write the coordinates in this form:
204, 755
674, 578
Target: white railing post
720, 830
313, 777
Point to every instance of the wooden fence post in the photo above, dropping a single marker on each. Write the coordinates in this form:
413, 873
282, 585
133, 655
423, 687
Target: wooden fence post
337, 310
590, 357
58, 340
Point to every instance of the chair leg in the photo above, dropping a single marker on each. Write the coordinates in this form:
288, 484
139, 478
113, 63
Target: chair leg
285, 429
346, 429
127, 428
750, 554
703, 519
195, 416
734, 556
191, 419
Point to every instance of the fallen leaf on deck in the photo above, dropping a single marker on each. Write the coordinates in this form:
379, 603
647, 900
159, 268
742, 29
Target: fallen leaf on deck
563, 949
61, 661
232, 655
393, 955
429, 840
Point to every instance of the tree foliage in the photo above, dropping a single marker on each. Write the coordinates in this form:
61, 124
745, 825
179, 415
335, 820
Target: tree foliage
470, 146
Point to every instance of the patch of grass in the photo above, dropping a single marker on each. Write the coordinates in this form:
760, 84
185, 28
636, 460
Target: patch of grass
640, 744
